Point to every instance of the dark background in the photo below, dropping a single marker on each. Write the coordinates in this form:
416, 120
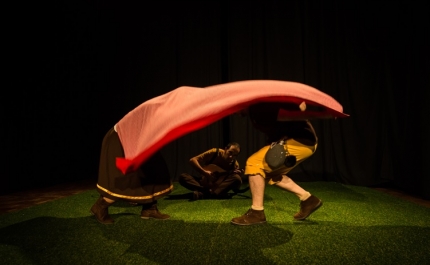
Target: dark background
77, 67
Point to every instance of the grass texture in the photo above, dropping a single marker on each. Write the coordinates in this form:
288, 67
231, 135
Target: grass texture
355, 225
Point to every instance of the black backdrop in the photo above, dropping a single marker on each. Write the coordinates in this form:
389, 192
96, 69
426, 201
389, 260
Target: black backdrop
79, 66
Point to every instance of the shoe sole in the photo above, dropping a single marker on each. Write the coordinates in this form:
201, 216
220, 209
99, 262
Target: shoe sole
313, 210
241, 224
147, 218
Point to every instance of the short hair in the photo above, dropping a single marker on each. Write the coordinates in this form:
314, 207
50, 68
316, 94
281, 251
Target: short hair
233, 144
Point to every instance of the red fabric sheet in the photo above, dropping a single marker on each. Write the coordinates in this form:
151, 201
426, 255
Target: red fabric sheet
162, 119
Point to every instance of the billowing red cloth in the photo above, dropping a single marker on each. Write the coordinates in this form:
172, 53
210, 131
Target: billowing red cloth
162, 119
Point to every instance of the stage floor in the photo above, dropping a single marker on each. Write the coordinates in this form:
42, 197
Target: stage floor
21, 200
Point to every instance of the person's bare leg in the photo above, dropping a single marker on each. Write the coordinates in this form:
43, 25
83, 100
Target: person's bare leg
257, 185
288, 184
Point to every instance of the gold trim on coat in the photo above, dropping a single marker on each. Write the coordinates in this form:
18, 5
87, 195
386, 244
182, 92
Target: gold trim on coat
135, 197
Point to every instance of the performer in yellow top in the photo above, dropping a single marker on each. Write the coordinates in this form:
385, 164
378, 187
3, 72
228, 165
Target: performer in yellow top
301, 143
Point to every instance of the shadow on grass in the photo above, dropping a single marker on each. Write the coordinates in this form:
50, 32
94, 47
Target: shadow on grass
185, 196
48, 240
189, 197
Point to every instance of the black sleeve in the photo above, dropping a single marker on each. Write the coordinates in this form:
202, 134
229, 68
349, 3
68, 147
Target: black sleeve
264, 118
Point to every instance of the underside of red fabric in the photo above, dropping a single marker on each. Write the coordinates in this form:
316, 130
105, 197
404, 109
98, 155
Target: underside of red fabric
160, 120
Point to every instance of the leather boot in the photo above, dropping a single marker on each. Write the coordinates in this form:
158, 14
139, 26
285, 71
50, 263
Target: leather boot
251, 217
307, 207
152, 212
100, 211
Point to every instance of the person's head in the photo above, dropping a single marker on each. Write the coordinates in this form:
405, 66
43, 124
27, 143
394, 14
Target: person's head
232, 150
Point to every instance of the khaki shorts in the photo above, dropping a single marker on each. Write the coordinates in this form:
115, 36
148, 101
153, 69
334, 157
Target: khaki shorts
255, 165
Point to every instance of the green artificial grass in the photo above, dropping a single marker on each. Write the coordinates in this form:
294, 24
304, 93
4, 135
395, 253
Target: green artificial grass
356, 225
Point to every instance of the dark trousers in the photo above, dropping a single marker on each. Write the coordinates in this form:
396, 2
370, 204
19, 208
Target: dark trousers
230, 182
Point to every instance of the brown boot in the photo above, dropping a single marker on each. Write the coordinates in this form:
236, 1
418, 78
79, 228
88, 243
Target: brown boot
307, 207
251, 217
100, 211
153, 212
